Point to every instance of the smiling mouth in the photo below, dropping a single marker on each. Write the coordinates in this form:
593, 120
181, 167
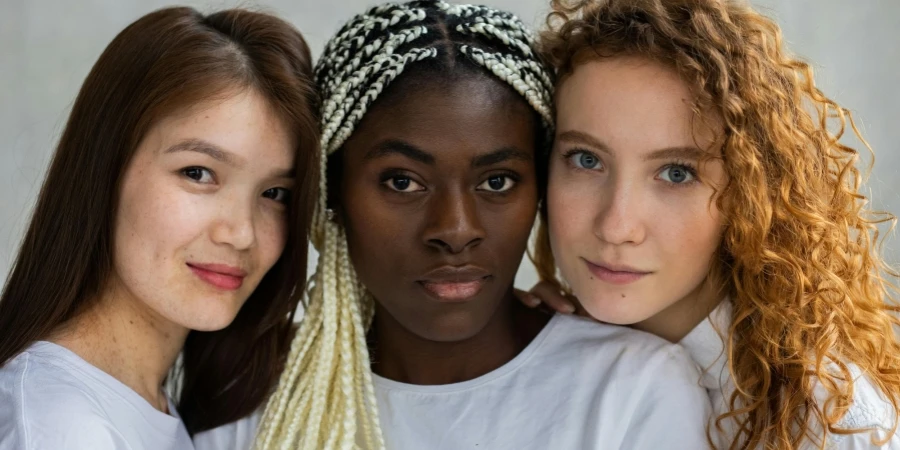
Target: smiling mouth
615, 276
224, 278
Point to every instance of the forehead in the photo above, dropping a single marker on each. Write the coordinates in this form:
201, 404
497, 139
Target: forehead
242, 123
449, 116
633, 100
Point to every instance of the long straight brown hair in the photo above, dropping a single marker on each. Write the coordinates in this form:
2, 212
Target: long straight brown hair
166, 61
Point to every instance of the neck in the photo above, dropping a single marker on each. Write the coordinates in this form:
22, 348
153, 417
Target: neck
406, 357
123, 337
676, 321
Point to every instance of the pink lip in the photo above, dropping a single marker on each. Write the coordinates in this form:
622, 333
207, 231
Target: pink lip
616, 274
455, 284
454, 291
224, 277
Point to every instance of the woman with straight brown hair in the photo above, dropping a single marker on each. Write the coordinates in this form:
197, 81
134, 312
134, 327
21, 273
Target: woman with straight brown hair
169, 224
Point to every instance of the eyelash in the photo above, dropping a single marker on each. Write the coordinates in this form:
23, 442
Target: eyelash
686, 166
212, 175
184, 172
567, 157
389, 175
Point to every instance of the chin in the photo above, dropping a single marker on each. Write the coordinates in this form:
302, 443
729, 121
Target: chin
611, 307
450, 328
210, 317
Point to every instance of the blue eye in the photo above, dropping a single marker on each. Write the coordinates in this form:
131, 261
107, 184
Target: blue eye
498, 183
677, 174
198, 174
585, 160
280, 195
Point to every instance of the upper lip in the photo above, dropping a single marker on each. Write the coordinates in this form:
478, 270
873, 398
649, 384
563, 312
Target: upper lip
455, 274
617, 267
223, 269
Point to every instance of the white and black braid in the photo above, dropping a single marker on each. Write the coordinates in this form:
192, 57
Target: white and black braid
343, 74
325, 398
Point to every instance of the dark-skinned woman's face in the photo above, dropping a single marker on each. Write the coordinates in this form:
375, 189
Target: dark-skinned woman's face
438, 195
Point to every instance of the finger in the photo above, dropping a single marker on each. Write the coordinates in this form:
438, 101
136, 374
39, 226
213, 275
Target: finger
552, 297
528, 299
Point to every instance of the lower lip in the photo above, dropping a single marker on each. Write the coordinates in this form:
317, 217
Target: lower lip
615, 277
454, 292
219, 280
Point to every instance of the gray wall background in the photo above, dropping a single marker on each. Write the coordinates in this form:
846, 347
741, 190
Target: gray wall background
47, 48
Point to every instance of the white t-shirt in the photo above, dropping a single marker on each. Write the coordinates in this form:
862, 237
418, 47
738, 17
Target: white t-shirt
578, 385
869, 409
51, 399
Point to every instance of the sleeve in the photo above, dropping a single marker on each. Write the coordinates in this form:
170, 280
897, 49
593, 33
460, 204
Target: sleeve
233, 436
674, 409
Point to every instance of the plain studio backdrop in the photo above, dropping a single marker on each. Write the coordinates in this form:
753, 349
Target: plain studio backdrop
47, 48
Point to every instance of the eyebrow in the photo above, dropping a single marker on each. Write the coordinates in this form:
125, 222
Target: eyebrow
499, 156
683, 152
687, 152
396, 147
578, 137
204, 147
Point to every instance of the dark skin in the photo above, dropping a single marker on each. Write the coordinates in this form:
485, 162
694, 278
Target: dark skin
438, 195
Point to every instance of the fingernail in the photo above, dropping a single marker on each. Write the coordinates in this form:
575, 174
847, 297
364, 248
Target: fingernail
533, 300
569, 309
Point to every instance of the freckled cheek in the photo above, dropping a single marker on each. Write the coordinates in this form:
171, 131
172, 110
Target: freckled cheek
689, 232
158, 220
272, 235
571, 208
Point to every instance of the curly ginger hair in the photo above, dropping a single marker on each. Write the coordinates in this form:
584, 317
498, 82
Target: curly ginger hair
799, 257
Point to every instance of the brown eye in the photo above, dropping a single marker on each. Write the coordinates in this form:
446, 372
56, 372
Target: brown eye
198, 174
403, 184
498, 183
280, 195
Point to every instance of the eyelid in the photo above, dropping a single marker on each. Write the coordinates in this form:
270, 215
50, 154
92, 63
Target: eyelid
212, 174
568, 154
514, 180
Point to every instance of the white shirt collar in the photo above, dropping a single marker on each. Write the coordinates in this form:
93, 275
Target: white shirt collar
706, 344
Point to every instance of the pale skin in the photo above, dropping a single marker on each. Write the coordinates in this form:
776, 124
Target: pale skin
201, 219
632, 217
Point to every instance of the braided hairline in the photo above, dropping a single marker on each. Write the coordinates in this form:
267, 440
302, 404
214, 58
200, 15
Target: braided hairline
353, 106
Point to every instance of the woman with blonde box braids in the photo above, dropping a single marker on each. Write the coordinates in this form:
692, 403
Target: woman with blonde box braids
699, 190
436, 120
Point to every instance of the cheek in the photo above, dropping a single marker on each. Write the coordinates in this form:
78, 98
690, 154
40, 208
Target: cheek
271, 233
155, 222
571, 206
692, 230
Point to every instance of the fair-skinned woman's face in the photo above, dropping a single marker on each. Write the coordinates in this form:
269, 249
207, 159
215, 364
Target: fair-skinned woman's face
632, 219
202, 211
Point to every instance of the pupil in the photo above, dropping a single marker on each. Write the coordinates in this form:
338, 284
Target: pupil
496, 183
678, 175
587, 160
194, 173
401, 184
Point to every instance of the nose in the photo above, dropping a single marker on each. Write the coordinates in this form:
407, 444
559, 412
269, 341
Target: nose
235, 225
620, 219
454, 224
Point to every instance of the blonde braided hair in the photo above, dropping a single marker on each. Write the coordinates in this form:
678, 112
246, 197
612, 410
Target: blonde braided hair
326, 390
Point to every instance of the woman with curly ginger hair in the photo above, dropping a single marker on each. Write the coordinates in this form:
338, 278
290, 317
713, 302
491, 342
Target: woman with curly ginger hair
698, 190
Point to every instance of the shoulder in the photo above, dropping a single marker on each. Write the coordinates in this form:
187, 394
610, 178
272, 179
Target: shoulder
237, 435
51, 408
626, 347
